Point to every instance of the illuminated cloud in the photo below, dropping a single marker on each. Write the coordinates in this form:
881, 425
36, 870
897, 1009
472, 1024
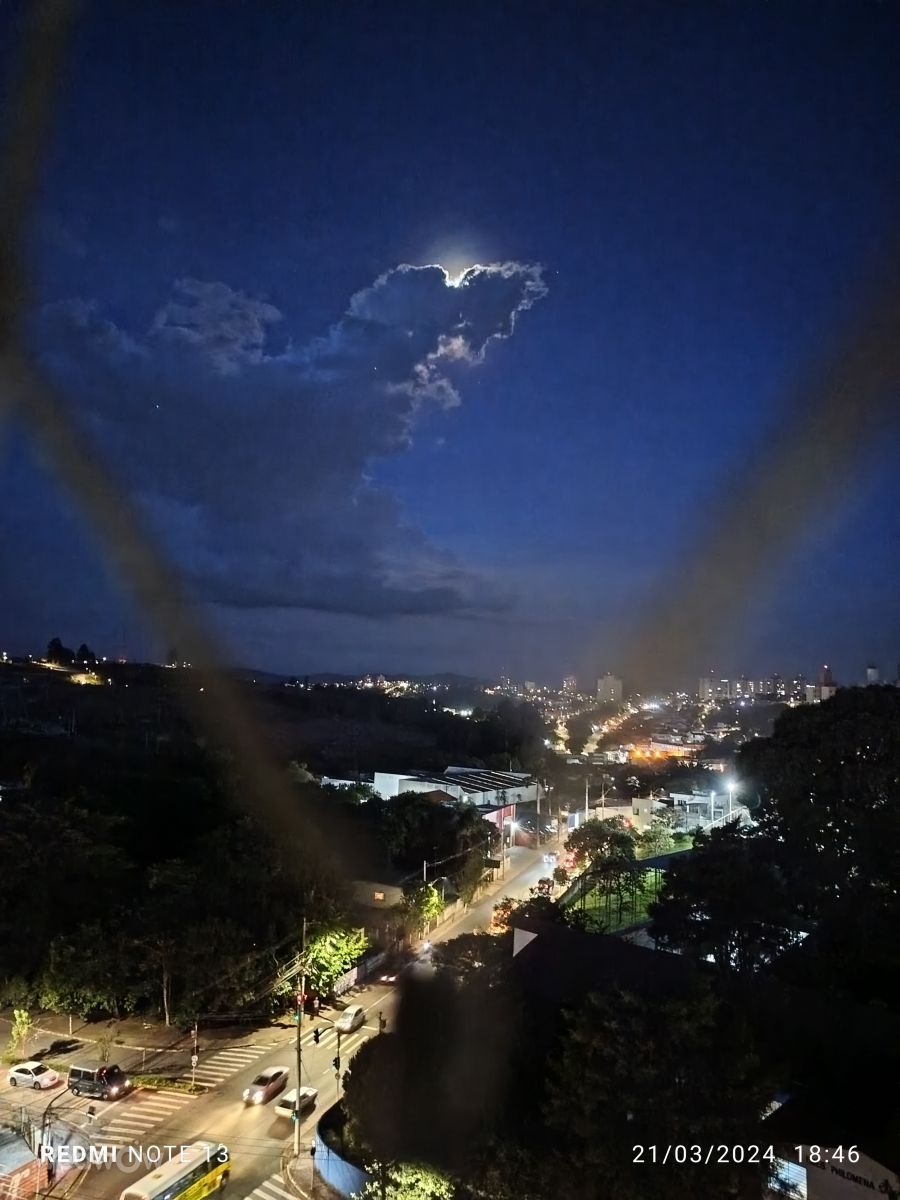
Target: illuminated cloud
255, 466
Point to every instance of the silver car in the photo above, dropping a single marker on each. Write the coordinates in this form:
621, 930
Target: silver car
32, 1074
351, 1018
267, 1084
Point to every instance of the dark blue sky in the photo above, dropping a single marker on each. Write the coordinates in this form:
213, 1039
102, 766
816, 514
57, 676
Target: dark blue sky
686, 196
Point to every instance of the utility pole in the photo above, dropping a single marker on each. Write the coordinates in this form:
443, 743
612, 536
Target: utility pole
587, 792
300, 998
425, 871
337, 1065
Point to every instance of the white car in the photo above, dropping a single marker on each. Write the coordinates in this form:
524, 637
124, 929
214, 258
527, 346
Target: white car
33, 1075
351, 1018
551, 858
289, 1104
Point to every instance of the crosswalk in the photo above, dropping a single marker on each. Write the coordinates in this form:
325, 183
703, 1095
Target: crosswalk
329, 1040
224, 1063
270, 1189
137, 1114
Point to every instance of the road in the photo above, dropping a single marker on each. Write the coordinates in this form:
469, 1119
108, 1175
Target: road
523, 870
255, 1137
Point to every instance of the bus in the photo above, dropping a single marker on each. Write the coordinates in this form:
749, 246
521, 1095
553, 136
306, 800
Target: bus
194, 1172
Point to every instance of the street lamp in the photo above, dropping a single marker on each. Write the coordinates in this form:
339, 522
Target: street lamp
732, 787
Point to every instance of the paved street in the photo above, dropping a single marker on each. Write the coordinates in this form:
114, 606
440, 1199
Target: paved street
254, 1135
523, 869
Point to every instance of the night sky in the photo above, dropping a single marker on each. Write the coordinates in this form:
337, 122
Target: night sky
363, 461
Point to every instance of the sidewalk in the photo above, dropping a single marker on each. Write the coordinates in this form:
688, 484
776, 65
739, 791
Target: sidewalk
522, 859
298, 1173
148, 1047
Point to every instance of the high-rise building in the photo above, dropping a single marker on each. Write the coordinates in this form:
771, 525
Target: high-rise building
609, 690
825, 677
530, 687
707, 690
570, 685
873, 675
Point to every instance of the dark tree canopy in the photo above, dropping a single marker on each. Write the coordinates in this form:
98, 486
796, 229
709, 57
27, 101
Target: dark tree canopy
829, 785
634, 1071
729, 899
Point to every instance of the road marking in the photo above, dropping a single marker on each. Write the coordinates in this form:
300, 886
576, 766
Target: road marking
224, 1063
271, 1189
144, 1111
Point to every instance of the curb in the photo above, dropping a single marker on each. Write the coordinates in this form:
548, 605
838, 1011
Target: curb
287, 1175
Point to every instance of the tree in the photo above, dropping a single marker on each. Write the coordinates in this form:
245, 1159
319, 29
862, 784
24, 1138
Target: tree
298, 772
405, 1181
21, 1030
373, 1095
421, 905
468, 878
104, 1044
560, 876
331, 954
827, 782
474, 957
658, 838
578, 730
59, 654
84, 654
668, 1070
596, 839
728, 900
502, 914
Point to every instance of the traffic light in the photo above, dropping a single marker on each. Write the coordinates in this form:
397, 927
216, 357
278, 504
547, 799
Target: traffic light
336, 1063
317, 1036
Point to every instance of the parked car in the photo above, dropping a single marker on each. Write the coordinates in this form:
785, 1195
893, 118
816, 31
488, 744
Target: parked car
267, 1084
351, 1018
289, 1102
103, 1081
544, 887
32, 1074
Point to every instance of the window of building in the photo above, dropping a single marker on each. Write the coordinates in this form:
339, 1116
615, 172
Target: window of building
792, 1178
379, 895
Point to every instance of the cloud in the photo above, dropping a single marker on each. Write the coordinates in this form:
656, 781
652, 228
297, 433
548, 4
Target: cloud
255, 467
228, 328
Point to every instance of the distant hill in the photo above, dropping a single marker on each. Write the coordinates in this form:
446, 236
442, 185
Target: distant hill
246, 675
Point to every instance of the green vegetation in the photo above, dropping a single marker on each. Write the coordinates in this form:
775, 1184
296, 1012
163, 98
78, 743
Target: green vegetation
405, 1181
330, 955
21, 1030
163, 1083
610, 909
422, 904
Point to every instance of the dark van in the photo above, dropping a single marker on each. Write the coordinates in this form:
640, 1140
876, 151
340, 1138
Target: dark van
104, 1081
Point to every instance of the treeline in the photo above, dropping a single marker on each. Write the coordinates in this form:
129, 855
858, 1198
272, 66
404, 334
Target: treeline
139, 880
141, 884
510, 736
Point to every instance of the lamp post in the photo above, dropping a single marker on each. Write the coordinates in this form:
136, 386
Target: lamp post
300, 1002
